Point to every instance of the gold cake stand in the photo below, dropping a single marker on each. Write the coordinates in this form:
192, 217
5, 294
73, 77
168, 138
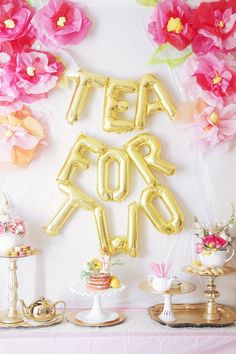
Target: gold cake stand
212, 310
12, 316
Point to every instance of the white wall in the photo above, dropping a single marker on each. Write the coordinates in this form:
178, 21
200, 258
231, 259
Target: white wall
120, 47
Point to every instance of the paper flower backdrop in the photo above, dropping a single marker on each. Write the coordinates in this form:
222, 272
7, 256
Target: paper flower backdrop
206, 37
21, 133
27, 74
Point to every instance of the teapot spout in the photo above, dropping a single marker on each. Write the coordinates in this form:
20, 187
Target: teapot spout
25, 309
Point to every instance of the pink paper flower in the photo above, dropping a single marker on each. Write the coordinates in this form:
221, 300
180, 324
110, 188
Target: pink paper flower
172, 23
199, 247
15, 17
215, 24
60, 23
32, 74
212, 126
8, 93
214, 77
11, 227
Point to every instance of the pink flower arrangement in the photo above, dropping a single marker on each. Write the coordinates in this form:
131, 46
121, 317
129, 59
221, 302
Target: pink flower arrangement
15, 226
171, 23
214, 238
27, 74
60, 23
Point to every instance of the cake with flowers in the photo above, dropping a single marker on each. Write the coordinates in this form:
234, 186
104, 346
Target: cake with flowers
12, 229
97, 274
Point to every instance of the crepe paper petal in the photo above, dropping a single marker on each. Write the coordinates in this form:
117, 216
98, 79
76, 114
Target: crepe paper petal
147, 2
165, 53
33, 127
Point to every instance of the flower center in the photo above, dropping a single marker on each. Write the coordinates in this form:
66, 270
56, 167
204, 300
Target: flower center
214, 118
61, 21
217, 79
31, 70
9, 133
9, 23
220, 24
174, 25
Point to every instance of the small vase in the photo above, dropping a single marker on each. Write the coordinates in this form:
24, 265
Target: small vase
9, 240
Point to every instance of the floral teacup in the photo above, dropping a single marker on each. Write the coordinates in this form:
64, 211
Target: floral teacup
217, 259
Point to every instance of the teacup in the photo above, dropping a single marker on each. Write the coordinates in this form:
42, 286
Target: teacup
160, 284
216, 259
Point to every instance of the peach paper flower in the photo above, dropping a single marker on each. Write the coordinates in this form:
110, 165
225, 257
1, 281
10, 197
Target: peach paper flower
60, 23
20, 136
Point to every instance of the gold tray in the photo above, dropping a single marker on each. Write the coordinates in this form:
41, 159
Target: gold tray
191, 315
71, 318
33, 324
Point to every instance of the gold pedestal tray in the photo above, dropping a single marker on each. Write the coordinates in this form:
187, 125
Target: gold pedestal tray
13, 316
192, 315
71, 318
30, 324
211, 312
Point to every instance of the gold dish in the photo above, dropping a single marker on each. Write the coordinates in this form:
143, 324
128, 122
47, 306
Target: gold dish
192, 315
182, 288
71, 318
31, 324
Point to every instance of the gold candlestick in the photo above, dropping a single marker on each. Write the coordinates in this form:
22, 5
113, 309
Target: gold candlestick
211, 313
13, 316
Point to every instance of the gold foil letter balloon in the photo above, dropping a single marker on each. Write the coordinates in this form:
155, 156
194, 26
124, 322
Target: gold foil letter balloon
113, 105
104, 162
129, 244
84, 81
74, 197
144, 108
151, 159
167, 226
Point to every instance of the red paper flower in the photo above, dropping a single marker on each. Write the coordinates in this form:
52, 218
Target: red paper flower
215, 24
172, 23
215, 77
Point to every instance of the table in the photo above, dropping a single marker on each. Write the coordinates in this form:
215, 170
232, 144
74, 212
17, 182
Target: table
138, 335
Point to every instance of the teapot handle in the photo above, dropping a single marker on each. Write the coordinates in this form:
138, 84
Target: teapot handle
231, 256
61, 302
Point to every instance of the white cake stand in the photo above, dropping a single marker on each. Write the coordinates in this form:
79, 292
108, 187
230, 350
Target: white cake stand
96, 314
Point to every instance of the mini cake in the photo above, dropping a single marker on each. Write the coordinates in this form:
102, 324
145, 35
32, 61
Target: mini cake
12, 229
97, 274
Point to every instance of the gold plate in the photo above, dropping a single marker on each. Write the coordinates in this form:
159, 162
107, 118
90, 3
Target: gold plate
71, 318
34, 252
183, 288
33, 324
226, 271
191, 315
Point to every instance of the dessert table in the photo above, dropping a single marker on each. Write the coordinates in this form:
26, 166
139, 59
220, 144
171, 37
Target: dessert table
137, 335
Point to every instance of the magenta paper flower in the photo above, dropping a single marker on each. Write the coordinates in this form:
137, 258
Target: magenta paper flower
15, 17
32, 74
172, 23
214, 77
60, 23
214, 126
